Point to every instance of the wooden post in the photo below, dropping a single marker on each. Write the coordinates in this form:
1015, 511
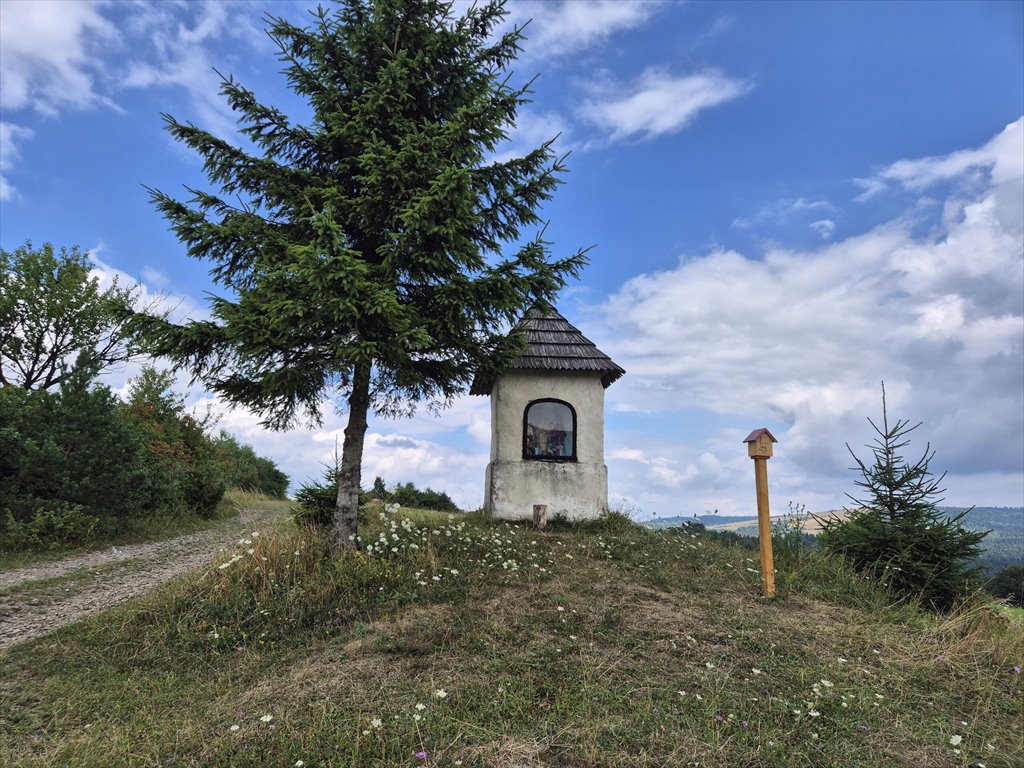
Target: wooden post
759, 447
540, 515
764, 527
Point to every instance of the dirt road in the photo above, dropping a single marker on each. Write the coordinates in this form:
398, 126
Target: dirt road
39, 599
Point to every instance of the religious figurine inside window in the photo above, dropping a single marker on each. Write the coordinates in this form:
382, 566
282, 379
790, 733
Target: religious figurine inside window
549, 431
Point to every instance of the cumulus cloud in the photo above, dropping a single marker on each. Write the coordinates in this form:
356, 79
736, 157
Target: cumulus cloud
801, 338
1001, 155
657, 103
996, 165
48, 56
57, 55
179, 307
560, 28
49, 61
391, 450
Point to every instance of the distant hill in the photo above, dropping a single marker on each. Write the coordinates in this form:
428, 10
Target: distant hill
711, 521
1005, 543
1003, 546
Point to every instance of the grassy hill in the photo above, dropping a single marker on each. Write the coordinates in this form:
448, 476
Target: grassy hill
456, 641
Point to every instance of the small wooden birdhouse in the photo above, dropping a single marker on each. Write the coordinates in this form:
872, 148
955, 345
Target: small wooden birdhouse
547, 424
759, 443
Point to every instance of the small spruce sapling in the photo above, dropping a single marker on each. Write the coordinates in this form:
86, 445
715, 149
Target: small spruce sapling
897, 531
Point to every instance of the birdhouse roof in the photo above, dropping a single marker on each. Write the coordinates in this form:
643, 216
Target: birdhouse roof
555, 344
757, 433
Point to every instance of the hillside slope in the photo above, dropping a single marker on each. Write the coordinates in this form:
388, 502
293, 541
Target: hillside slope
461, 642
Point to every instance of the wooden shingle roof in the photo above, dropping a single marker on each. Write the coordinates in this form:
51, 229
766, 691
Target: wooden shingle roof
554, 344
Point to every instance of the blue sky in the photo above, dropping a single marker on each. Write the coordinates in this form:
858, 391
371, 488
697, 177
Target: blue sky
789, 201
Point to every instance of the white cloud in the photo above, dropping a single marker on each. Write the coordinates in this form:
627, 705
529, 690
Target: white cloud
66, 54
996, 165
48, 58
823, 228
10, 135
872, 188
178, 54
532, 128
717, 28
1003, 156
785, 210
178, 306
658, 103
561, 28
155, 278
801, 339
397, 456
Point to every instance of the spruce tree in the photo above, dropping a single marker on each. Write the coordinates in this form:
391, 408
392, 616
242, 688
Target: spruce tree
897, 532
362, 255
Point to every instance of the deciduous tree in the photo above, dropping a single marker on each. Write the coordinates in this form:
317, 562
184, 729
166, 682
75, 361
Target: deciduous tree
52, 310
363, 253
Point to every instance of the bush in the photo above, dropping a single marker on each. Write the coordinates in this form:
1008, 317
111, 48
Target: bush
75, 446
408, 495
78, 462
316, 500
1009, 584
51, 525
898, 533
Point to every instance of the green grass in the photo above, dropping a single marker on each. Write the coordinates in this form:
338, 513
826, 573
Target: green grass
599, 645
155, 527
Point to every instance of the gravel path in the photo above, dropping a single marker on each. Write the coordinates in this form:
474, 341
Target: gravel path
39, 599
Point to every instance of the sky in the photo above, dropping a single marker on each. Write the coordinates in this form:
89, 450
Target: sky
789, 203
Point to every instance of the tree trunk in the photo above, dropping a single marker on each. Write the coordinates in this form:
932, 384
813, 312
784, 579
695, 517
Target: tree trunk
346, 507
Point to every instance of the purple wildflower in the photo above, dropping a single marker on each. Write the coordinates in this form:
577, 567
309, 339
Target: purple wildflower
421, 755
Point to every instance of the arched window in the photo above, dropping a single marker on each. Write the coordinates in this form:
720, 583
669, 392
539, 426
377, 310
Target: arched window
549, 431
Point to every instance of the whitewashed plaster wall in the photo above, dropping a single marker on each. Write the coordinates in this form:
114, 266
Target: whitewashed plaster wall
577, 489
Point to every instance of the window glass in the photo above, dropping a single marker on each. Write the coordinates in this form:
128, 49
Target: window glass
550, 428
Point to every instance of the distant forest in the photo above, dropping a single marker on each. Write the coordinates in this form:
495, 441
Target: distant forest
1003, 546
1005, 543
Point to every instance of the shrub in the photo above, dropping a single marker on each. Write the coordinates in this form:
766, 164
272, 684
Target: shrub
74, 446
249, 472
316, 500
51, 525
897, 532
408, 495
